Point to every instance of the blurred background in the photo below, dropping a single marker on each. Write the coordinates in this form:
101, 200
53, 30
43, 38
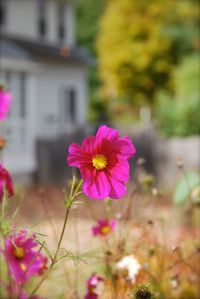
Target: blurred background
74, 64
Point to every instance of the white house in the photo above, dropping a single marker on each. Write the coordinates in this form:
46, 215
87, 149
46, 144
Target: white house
46, 72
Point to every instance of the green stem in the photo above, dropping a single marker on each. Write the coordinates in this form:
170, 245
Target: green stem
8, 271
54, 260
73, 194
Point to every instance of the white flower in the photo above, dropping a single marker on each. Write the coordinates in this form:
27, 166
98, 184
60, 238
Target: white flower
129, 263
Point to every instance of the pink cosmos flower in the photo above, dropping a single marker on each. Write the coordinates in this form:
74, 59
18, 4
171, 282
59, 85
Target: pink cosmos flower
22, 256
5, 103
104, 227
42, 264
92, 286
103, 162
5, 182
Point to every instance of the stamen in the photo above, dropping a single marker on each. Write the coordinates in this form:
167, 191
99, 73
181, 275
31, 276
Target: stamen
19, 252
99, 162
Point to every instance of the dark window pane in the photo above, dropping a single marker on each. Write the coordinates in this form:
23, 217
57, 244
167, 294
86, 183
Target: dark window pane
61, 21
42, 26
23, 94
72, 105
2, 13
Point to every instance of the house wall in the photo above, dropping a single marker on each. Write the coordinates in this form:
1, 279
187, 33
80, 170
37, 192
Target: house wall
21, 19
52, 80
44, 83
19, 154
18, 19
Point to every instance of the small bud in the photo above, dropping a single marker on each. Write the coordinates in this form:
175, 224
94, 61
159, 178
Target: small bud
143, 292
2, 142
4, 227
118, 216
174, 283
147, 180
2, 86
108, 253
175, 248
140, 161
150, 222
151, 251
179, 163
156, 192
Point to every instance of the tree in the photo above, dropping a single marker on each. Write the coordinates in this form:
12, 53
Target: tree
88, 13
180, 115
139, 44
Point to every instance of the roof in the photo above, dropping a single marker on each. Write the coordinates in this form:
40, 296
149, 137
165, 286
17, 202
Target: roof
24, 48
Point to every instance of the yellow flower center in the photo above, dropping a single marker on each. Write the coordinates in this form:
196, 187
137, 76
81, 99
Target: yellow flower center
99, 162
19, 252
92, 289
105, 230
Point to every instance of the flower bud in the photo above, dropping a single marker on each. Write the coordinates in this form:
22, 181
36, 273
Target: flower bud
143, 292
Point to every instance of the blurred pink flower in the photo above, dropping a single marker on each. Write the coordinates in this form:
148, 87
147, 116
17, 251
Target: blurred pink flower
103, 162
92, 286
42, 264
5, 182
5, 103
23, 259
104, 227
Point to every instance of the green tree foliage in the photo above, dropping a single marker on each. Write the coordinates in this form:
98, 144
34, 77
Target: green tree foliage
139, 44
88, 13
180, 114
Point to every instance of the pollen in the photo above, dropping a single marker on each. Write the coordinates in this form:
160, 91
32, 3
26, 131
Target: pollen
19, 252
99, 162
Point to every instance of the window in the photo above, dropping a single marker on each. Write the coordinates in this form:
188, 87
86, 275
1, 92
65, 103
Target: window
16, 126
23, 79
42, 28
72, 105
68, 106
16, 83
2, 12
61, 22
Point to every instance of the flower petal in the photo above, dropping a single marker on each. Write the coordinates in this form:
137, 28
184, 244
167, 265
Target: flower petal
99, 188
105, 132
9, 184
95, 230
118, 189
75, 156
1, 190
126, 146
120, 171
88, 144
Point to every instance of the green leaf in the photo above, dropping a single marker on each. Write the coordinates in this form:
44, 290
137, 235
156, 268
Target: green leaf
185, 186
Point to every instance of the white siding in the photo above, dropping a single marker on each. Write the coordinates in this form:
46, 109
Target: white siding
21, 18
51, 16
50, 84
53, 21
70, 25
